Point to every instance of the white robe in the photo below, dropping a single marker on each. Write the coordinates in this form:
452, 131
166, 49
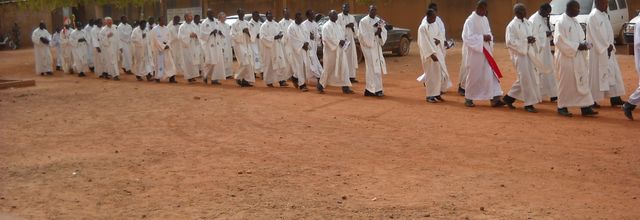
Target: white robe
225, 43
110, 48
635, 96
142, 55
604, 71
191, 49
546, 78
273, 61
55, 43
351, 35
66, 47
372, 50
79, 51
334, 57
571, 64
254, 30
124, 33
481, 83
213, 57
98, 62
284, 26
243, 51
164, 66
434, 72
300, 59
87, 33
312, 28
176, 47
42, 51
526, 87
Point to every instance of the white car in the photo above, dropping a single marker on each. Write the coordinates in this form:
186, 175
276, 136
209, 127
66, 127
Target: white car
247, 17
618, 14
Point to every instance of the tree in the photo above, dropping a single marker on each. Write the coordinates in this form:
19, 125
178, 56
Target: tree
53, 4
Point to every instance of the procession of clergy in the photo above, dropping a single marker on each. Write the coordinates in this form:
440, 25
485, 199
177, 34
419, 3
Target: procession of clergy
585, 63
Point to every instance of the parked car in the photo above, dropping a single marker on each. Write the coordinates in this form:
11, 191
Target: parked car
618, 14
398, 39
247, 17
629, 28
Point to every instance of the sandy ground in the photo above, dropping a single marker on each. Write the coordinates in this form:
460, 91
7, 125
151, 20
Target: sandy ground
84, 148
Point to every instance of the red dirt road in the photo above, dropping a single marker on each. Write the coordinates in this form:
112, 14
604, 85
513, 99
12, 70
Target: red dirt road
84, 148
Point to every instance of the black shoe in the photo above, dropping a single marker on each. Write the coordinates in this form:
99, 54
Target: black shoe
508, 100
304, 88
588, 112
380, 94
215, 82
172, 79
347, 90
49, 73
42, 74
353, 80
595, 105
554, 99
239, 82
469, 103
58, 68
129, 72
81, 74
116, 78
294, 80
93, 69
367, 93
205, 81
270, 85
461, 91
616, 101
105, 75
139, 78
246, 83
319, 87
229, 77
149, 77
432, 99
283, 83
530, 108
157, 80
628, 110
439, 98
496, 102
564, 112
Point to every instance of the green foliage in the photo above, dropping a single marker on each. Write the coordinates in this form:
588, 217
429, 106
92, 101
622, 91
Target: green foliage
53, 4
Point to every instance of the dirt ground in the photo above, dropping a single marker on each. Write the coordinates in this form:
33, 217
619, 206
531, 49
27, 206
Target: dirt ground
85, 148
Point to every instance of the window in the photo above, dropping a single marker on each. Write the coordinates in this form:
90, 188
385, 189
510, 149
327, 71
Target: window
613, 5
622, 4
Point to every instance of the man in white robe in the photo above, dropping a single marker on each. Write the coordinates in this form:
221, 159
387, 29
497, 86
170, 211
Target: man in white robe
482, 81
41, 38
124, 33
312, 27
543, 34
570, 63
66, 47
225, 43
210, 36
272, 51
142, 55
188, 34
98, 62
254, 28
55, 43
348, 22
606, 78
160, 43
109, 44
87, 33
176, 44
334, 56
432, 58
634, 99
242, 38
522, 48
298, 43
373, 36
79, 51
284, 26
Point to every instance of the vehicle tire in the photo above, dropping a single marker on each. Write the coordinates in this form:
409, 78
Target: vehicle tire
405, 46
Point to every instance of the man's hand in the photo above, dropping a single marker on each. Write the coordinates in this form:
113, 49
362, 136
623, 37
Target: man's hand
278, 37
609, 50
44, 40
193, 35
81, 40
246, 31
220, 33
213, 33
342, 42
350, 25
583, 46
98, 49
258, 36
436, 41
376, 25
531, 39
487, 38
434, 58
305, 46
379, 32
166, 47
313, 37
549, 33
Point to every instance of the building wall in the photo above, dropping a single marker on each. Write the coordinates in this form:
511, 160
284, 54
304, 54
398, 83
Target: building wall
26, 20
